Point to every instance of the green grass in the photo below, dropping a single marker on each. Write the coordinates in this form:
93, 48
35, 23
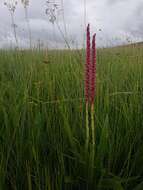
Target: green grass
43, 127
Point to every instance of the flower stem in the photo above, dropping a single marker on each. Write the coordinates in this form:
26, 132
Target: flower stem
87, 126
92, 124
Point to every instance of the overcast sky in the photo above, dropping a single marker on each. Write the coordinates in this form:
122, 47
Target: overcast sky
114, 21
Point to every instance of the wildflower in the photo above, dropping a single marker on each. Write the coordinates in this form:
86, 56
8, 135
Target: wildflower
93, 69
90, 68
90, 77
88, 62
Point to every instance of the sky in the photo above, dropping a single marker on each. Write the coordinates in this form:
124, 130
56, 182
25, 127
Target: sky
115, 22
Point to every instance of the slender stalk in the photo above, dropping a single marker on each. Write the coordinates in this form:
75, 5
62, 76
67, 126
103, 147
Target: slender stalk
64, 21
85, 13
93, 141
63, 36
84, 10
14, 28
11, 5
52, 13
87, 126
28, 26
92, 124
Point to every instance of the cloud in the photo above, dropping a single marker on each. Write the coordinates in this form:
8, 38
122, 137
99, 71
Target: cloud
112, 20
114, 2
135, 25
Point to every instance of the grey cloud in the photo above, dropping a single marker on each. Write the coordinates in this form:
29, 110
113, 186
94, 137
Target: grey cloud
123, 18
113, 2
135, 25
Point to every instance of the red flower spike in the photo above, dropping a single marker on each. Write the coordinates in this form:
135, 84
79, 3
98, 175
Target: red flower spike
88, 62
93, 70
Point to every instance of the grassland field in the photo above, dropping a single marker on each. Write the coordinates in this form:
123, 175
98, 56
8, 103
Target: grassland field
42, 120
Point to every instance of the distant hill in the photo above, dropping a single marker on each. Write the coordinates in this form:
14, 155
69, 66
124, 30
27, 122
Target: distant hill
137, 44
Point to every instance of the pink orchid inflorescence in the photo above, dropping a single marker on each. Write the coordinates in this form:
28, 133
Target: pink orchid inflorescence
87, 68
90, 68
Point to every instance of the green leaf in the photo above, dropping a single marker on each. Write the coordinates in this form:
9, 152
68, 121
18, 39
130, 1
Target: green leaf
139, 186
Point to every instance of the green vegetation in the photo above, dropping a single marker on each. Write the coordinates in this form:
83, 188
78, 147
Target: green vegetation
43, 128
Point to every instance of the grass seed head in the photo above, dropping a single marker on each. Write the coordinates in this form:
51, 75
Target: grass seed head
11, 5
25, 3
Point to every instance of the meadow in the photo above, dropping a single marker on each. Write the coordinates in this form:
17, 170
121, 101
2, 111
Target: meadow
43, 127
